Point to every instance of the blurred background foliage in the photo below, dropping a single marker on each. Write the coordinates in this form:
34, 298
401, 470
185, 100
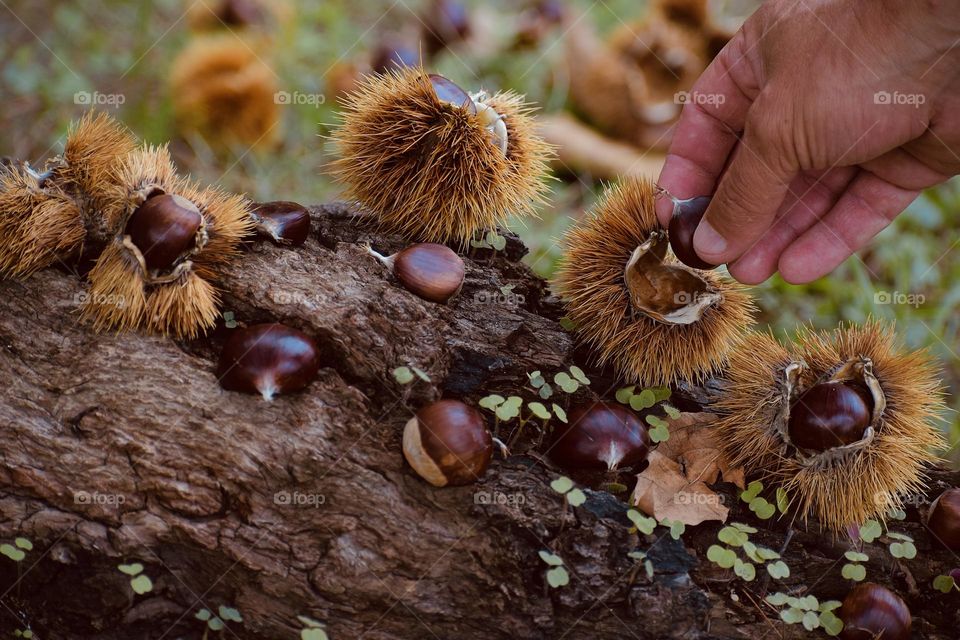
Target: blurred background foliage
53, 51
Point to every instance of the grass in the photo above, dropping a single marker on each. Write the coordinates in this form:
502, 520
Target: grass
51, 51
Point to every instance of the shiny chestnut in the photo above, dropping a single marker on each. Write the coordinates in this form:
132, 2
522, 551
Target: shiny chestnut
286, 223
447, 443
600, 436
268, 359
944, 519
164, 228
432, 271
686, 217
830, 414
873, 612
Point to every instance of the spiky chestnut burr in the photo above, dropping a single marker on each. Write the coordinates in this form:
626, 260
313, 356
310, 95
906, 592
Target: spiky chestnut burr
268, 359
169, 239
222, 89
656, 320
843, 420
447, 443
434, 164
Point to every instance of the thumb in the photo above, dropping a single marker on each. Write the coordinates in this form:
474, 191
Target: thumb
746, 202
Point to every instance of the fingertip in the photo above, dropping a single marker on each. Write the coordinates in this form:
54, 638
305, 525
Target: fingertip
799, 269
709, 244
750, 272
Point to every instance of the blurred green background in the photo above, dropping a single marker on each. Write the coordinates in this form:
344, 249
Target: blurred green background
50, 51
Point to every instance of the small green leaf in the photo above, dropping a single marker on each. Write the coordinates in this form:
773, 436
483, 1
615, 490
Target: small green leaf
752, 491
905, 550
215, 624
560, 413
830, 605
568, 324
403, 375
856, 556
12, 552
539, 410
831, 623
743, 527
723, 558
27, 633
751, 550
310, 622
141, 584
777, 599
545, 391
576, 498
203, 614
810, 603
660, 431
491, 402
551, 559
558, 577
562, 484
623, 395
944, 584
643, 400
508, 411
660, 393
855, 572
811, 620
643, 524
24, 544
899, 536
565, 382
676, 528
791, 615
229, 613
229, 320
870, 531
732, 536
420, 373
763, 509
744, 570
313, 634
778, 570
499, 243
783, 500
896, 514
671, 411
536, 381
579, 375
767, 554
131, 569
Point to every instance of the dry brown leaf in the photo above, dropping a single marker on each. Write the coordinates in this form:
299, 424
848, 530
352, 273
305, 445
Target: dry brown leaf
675, 484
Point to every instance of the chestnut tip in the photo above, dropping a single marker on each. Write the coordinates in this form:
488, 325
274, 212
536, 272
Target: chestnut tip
686, 217
447, 443
602, 436
285, 223
268, 359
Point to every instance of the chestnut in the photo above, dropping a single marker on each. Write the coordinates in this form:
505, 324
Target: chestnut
600, 436
432, 271
392, 54
830, 414
447, 443
687, 215
164, 228
446, 22
286, 223
450, 92
268, 359
873, 612
944, 519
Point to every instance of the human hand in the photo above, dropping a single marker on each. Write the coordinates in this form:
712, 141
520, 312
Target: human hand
822, 120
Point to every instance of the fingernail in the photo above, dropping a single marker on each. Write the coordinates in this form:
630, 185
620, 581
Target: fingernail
707, 242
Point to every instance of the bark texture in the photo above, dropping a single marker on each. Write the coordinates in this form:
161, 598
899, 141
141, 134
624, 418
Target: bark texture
123, 448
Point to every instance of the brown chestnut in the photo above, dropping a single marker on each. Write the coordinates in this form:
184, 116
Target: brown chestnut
432, 271
447, 443
686, 217
830, 414
268, 359
873, 612
944, 519
164, 228
600, 436
446, 22
286, 223
450, 92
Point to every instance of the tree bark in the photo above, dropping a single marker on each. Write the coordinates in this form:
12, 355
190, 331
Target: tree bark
123, 448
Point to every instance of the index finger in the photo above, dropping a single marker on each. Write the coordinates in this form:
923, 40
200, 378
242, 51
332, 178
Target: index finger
714, 114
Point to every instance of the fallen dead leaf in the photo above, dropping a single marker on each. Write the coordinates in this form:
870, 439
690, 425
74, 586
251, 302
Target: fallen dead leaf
675, 485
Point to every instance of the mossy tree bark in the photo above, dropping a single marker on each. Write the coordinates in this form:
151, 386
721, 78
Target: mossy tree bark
123, 448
